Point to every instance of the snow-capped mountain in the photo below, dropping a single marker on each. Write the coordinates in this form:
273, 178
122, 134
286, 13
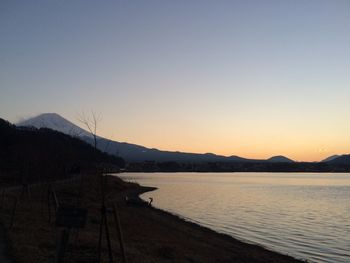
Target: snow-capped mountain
55, 122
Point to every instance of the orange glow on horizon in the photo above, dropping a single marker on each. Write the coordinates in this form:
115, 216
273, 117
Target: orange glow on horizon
297, 150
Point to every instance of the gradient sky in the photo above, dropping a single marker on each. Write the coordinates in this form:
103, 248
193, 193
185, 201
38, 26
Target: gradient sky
249, 78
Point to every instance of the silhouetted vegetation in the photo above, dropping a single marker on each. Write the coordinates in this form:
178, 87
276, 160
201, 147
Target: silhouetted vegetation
150, 166
41, 154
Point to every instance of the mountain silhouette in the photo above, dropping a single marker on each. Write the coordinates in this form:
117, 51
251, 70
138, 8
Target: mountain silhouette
132, 152
342, 159
330, 158
279, 159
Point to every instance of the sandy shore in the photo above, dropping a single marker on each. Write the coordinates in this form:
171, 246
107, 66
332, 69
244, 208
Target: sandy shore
150, 235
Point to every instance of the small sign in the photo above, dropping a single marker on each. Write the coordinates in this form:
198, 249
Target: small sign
71, 217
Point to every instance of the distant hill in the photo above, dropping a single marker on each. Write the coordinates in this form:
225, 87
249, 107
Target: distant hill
343, 159
133, 152
137, 153
330, 158
279, 159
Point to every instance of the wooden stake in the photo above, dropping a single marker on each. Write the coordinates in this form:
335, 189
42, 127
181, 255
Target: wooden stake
2, 198
13, 212
62, 245
104, 224
119, 230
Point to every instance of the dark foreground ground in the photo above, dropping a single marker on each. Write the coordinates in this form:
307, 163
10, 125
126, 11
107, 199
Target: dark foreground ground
150, 235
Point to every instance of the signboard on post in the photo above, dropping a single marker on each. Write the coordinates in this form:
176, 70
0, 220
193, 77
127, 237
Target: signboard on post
71, 217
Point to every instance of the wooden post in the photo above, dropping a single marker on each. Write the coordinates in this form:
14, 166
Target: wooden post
110, 253
49, 202
51, 194
43, 198
105, 223
2, 198
119, 230
13, 212
100, 240
55, 199
62, 245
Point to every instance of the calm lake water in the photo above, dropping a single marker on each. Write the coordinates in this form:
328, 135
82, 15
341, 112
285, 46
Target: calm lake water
304, 215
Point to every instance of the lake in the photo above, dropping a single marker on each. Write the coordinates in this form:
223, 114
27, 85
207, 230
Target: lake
305, 215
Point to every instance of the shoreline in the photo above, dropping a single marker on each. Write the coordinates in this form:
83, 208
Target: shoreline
150, 234
197, 226
223, 172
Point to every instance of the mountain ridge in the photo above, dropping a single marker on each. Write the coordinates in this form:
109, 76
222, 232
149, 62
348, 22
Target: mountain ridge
331, 158
279, 159
133, 152
341, 159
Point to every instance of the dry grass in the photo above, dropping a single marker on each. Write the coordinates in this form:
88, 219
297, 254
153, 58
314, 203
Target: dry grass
150, 235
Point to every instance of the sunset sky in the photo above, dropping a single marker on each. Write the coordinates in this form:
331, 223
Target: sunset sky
248, 78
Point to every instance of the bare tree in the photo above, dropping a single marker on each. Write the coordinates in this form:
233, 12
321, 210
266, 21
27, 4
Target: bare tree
74, 132
90, 122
